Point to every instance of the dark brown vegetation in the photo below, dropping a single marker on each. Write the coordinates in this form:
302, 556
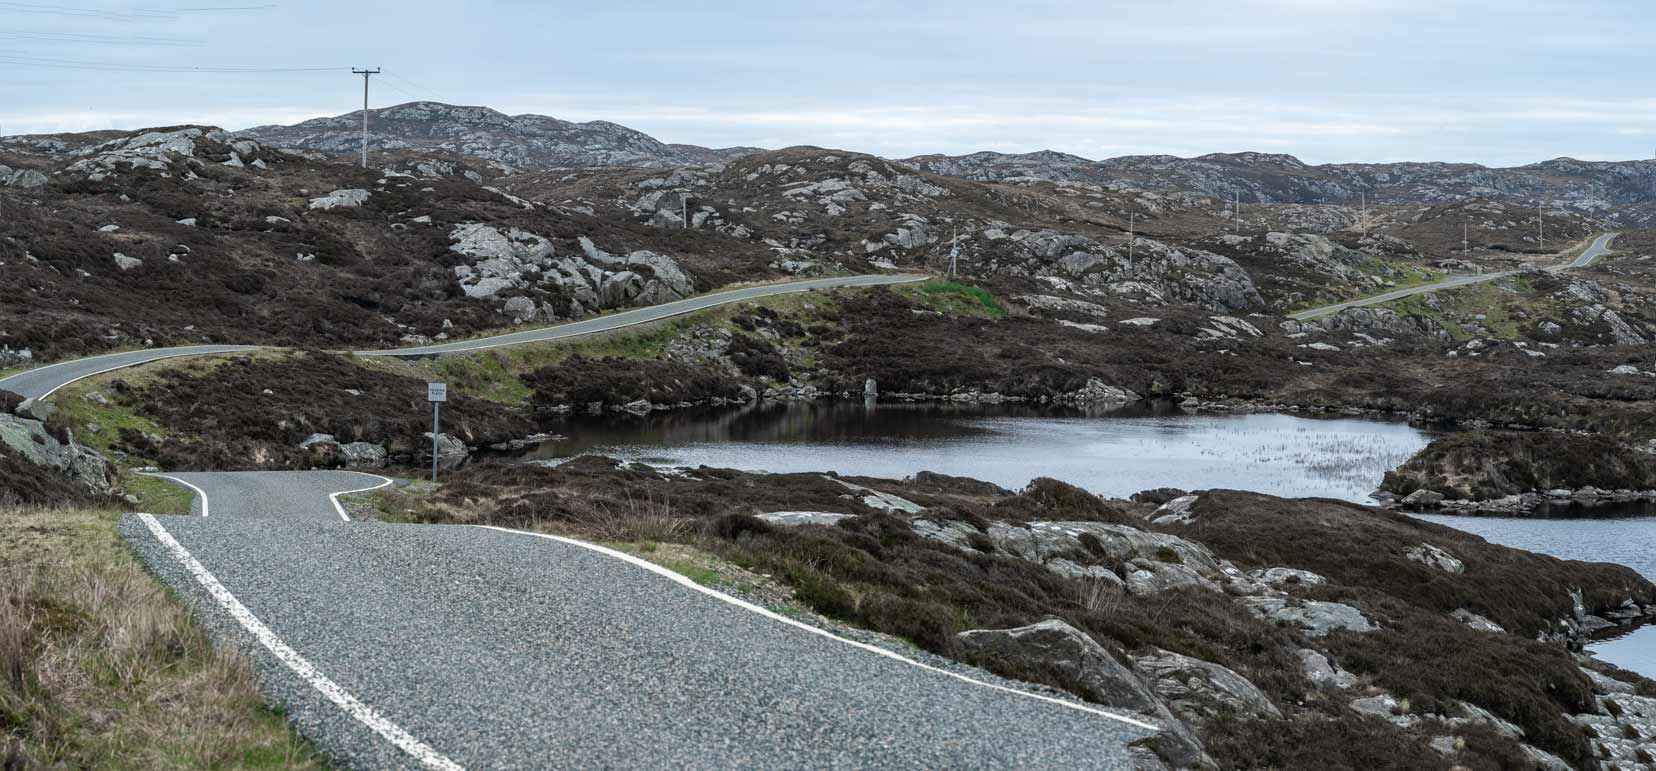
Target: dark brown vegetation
253, 413
874, 571
1420, 652
579, 381
1480, 465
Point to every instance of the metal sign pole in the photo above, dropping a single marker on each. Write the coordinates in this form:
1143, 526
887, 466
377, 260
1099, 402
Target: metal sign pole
436, 393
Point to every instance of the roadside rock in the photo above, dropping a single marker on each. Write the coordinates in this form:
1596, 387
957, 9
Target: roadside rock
362, 455
1202, 690
30, 440
1084, 668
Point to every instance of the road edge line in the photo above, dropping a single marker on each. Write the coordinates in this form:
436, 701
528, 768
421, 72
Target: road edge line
298, 664
334, 497
774, 616
198, 491
73, 381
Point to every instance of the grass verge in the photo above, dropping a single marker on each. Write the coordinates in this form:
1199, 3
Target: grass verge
957, 299
101, 669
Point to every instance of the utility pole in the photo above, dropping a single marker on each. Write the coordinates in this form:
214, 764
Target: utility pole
954, 251
365, 72
1541, 223
684, 210
1132, 218
1362, 217
1236, 211
1466, 237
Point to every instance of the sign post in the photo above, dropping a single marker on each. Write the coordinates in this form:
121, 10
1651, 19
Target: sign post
436, 393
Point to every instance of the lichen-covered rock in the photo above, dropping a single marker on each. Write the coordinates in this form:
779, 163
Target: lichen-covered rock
350, 198
1202, 690
1315, 618
1086, 669
30, 440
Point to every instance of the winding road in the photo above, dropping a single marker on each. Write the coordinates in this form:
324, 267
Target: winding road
1598, 248
40, 382
449, 647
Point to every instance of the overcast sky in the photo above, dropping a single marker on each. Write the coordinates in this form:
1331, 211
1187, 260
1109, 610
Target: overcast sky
1501, 83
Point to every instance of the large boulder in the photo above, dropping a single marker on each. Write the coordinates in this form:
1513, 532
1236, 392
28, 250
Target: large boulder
1313, 617
30, 440
1068, 657
1202, 690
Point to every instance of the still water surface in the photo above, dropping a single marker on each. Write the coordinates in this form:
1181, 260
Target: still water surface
1114, 454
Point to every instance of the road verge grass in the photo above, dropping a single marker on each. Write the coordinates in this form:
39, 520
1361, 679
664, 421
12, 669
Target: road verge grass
100, 668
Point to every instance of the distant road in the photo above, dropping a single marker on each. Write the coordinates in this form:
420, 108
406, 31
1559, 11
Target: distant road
1595, 250
40, 382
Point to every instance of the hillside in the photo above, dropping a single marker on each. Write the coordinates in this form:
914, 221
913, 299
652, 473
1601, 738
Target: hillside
505, 142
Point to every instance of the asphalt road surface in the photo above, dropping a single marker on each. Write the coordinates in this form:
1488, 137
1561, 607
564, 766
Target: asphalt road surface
282, 495
447, 647
40, 382
1595, 250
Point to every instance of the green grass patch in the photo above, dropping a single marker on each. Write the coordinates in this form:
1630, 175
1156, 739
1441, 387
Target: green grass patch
496, 374
411, 503
957, 299
1506, 306
157, 496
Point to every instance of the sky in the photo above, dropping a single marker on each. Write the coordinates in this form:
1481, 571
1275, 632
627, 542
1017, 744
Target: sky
1500, 83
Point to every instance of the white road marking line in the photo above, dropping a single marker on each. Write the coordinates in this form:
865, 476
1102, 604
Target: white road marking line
748, 606
198, 491
424, 753
79, 378
335, 496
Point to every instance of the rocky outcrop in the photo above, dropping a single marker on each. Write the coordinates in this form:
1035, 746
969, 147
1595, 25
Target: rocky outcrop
1082, 666
1157, 272
21, 178
1202, 690
1314, 618
340, 199
30, 440
550, 286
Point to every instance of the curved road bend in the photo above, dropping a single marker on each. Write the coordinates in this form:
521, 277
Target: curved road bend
286, 495
40, 382
1595, 250
446, 647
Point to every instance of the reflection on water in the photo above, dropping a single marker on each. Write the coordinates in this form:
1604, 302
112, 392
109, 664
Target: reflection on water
1630, 542
1116, 454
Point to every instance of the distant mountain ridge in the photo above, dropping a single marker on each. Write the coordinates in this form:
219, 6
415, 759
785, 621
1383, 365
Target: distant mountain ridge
512, 142
1276, 178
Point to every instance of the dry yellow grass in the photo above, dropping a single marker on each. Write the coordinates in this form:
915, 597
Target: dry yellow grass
100, 668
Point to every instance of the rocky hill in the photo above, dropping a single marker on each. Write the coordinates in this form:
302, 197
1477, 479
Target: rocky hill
506, 142
1601, 188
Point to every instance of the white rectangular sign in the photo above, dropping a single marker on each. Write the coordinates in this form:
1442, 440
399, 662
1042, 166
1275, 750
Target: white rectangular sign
436, 392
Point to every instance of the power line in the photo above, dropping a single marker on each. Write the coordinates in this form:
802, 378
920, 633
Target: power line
77, 64
90, 38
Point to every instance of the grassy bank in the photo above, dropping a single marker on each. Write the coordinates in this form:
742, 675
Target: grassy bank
101, 669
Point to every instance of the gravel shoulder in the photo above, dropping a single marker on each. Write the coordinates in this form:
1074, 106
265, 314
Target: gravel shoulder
502, 650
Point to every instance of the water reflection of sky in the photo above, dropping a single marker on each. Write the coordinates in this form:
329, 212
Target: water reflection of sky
1114, 455
1630, 542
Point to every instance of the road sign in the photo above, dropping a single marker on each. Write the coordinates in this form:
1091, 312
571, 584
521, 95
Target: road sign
436, 392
